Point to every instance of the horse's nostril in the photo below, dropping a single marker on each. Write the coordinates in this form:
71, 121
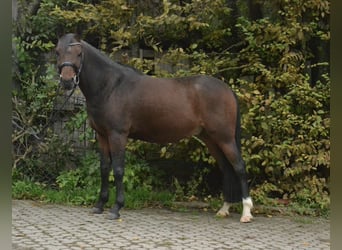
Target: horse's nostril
67, 84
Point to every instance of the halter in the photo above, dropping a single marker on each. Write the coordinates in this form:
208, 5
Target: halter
77, 70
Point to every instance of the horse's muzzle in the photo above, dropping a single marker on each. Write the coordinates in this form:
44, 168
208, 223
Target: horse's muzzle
68, 84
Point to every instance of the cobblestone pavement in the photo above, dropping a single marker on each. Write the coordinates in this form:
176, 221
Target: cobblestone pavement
48, 226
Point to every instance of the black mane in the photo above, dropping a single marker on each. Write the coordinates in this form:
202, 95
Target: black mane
107, 59
129, 67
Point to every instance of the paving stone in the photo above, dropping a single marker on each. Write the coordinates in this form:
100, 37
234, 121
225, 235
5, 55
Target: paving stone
49, 226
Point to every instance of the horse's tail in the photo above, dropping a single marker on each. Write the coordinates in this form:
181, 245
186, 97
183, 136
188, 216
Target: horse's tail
234, 193
238, 125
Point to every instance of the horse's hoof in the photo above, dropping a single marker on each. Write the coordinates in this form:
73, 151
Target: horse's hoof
222, 214
246, 219
97, 210
113, 216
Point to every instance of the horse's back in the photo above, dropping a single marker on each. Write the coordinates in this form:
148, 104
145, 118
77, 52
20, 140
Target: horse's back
185, 96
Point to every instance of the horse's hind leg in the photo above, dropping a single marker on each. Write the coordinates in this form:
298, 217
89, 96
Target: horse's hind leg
233, 155
231, 183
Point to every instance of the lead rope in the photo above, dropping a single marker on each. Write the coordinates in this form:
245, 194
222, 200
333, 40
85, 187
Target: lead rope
53, 114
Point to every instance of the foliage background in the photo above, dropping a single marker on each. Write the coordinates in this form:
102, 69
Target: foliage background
274, 54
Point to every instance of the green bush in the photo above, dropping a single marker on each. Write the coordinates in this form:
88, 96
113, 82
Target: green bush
81, 186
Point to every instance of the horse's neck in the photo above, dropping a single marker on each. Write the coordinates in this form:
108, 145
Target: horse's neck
98, 75
96, 58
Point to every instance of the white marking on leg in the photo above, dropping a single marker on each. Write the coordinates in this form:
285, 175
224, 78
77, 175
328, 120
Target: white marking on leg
246, 211
224, 211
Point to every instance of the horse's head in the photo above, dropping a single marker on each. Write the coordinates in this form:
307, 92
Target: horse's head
69, 60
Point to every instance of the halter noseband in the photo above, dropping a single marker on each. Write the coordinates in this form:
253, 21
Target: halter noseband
77, 70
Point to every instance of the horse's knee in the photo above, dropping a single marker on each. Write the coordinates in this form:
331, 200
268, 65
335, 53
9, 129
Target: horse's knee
104, 196
118, 173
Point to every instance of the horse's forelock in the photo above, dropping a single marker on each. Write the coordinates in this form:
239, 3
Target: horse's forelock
77, 37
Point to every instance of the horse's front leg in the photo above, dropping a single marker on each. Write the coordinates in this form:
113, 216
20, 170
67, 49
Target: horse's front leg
105, 169
104, 193
117, 146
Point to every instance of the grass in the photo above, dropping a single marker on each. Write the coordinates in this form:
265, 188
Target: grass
145, 197
134, 199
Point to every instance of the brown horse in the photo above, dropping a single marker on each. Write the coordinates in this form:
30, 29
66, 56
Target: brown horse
123, 103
